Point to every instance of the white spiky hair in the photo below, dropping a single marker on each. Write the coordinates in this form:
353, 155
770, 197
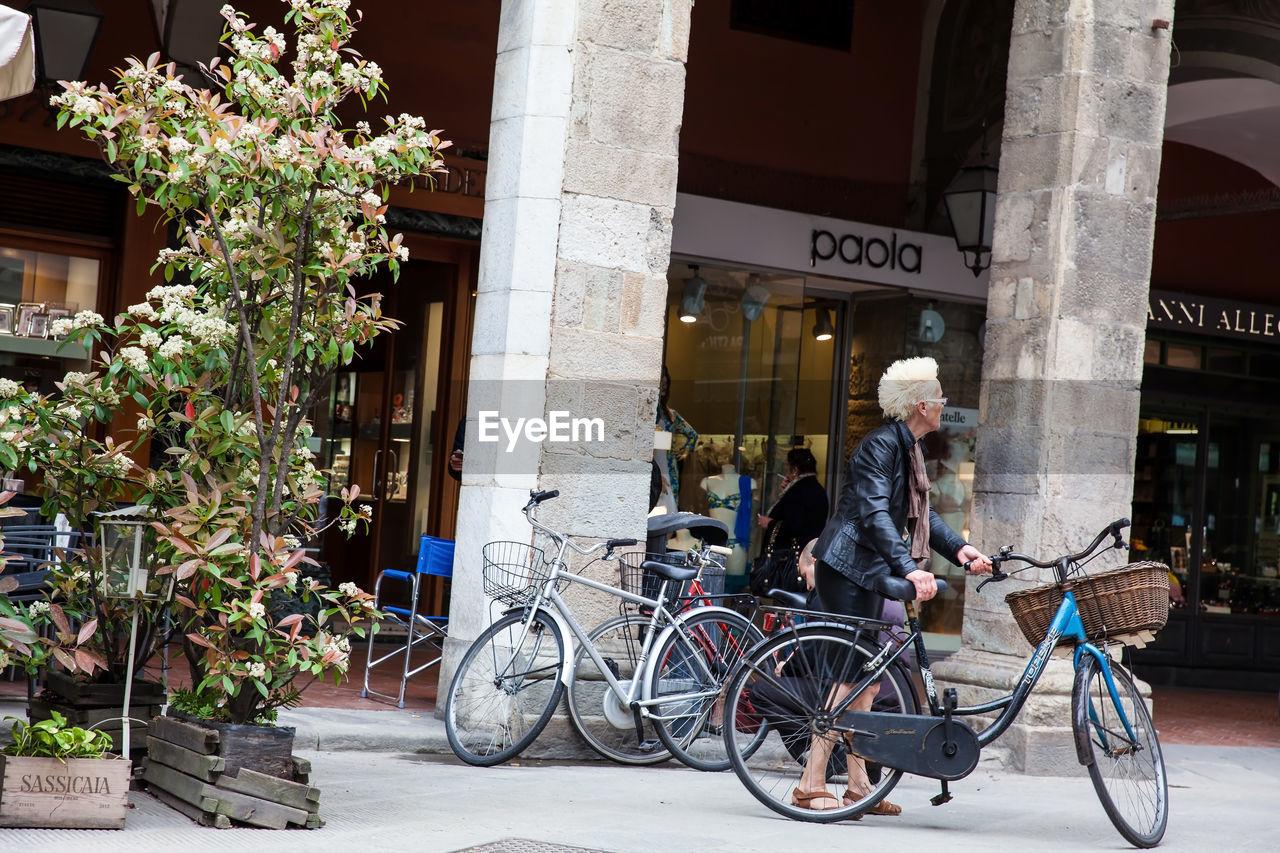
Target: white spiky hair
905, 383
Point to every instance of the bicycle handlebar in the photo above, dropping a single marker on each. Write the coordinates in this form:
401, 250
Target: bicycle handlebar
1061, 564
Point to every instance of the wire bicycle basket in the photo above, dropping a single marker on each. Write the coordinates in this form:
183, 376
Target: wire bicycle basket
514, 572
1113, 605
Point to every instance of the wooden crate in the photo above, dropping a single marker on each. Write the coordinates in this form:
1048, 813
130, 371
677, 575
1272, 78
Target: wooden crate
82, 793
192, 770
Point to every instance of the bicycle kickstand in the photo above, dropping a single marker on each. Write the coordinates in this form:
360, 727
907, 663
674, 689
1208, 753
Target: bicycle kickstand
646, 745
949, 703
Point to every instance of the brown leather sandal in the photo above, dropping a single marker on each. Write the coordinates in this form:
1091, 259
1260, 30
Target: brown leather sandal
805, 799
884, 807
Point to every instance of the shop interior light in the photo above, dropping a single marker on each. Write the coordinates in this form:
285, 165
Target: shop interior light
971, 206
754, 298
823, 329
932, 326
694, 298
65, 32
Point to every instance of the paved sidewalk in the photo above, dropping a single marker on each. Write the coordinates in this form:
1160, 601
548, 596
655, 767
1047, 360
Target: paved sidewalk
390, 783
1222, 798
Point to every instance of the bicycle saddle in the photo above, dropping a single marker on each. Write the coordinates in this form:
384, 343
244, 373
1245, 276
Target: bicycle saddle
901, 589
709, 530
672, 573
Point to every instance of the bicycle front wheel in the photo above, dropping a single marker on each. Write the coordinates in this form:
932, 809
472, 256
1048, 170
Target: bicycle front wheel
688, 675
1117, 739
506, 689
603, 720
792, 684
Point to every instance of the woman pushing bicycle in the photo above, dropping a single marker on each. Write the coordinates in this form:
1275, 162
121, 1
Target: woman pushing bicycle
882, 525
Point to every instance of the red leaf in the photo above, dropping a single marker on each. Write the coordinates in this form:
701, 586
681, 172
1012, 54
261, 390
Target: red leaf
86, 631
59, 618
190, 410
185, 602
65, 659
85, 661
291, 619
199, 640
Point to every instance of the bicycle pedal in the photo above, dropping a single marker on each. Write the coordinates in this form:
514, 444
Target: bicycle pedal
647, 746
942, 797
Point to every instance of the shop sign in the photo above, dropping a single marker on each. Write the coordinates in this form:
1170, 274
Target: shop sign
1206, 315
856, 250
744, 235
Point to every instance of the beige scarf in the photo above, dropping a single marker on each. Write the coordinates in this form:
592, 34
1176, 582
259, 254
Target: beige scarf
918, 509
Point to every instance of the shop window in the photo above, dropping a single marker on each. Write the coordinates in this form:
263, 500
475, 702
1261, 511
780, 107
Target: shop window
1225, 361
1264, 365
37, 288
752, 367
1183, 355
1151, 352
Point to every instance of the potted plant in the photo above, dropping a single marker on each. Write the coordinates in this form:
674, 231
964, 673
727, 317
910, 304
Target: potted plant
55, 775
278, 211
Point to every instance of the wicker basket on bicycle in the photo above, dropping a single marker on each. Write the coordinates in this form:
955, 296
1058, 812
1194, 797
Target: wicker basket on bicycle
1124, 601
514, 571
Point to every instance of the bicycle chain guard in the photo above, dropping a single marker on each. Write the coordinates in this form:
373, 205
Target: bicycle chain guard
914, 743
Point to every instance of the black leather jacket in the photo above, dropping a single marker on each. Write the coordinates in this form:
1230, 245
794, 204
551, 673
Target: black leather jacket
864, 538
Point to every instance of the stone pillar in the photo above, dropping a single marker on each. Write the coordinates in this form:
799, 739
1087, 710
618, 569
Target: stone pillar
587, 106
1066, 320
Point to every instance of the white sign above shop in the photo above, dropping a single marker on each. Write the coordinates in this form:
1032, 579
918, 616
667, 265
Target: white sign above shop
743, 234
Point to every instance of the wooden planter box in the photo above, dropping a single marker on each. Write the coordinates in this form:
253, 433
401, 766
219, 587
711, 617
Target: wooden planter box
204, 770
82, 793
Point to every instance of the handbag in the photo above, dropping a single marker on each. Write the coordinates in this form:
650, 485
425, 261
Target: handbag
777, 568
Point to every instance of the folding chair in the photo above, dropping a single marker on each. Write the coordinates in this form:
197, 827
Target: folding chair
435, 558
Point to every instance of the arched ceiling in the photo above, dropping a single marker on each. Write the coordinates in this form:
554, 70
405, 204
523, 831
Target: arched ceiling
1236, 117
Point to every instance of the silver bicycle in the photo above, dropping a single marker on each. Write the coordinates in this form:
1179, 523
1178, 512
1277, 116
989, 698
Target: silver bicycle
642, 687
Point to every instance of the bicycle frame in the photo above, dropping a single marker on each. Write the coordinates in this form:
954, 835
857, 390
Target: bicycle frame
662, 623
1066, 622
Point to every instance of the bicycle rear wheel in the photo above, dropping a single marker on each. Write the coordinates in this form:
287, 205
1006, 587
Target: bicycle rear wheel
689, 672
505, 689
1124, 761
604, 722
789, 683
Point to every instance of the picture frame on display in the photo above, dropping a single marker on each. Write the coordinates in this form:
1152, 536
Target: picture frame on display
22, 319
6, 319
57, 314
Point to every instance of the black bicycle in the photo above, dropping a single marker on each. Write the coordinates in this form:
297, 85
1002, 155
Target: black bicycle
815, 670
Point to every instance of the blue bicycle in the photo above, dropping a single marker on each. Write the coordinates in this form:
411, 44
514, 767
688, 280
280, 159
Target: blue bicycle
811, 673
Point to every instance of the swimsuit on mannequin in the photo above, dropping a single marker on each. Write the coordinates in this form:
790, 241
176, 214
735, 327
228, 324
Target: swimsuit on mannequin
723, 500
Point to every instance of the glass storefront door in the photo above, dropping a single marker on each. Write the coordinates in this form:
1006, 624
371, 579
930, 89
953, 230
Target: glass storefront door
380, 430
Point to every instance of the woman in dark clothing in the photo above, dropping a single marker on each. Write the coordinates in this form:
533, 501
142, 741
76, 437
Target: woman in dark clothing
800, 512
883, 525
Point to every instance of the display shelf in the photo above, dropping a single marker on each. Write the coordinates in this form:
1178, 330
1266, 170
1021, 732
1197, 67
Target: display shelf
43, 347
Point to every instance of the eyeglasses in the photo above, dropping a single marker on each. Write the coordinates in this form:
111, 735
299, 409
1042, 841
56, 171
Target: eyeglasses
941, 401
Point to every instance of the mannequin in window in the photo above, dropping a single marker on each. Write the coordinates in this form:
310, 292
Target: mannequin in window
725, 501
684, 438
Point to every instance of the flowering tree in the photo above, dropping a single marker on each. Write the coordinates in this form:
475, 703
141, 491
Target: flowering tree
278, 211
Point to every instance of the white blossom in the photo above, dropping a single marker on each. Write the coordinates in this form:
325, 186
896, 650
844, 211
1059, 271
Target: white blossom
87, 319
257, 669
173, 347
135, 358
60, 327
257, 609
348, 589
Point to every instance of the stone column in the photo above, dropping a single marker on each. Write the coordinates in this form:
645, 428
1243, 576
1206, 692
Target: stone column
1066, 319
588, 101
